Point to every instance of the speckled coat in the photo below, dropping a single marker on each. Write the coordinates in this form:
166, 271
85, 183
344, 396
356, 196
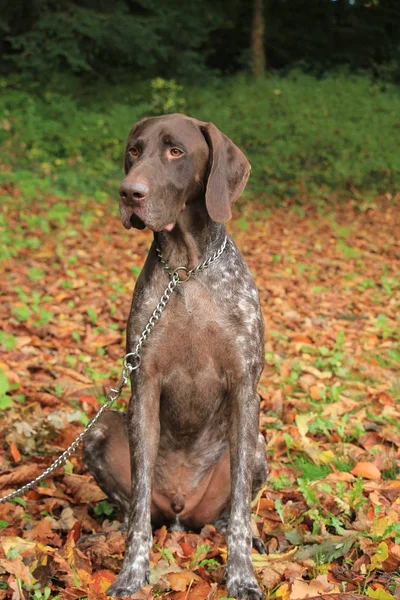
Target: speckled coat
188, 451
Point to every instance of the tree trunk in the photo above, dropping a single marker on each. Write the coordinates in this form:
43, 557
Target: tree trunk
257, 39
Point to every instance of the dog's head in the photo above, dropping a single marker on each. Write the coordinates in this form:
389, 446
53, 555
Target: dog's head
172, 160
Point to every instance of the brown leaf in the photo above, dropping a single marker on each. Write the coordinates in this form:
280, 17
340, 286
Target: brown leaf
341, 476
318, 374
273, 574
16, 567
303, 589
67, 519
72, 374
83, 488
20, 474
18, 592
198, 592
43, 533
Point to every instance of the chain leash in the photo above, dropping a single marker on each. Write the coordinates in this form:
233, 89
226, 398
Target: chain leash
128, 367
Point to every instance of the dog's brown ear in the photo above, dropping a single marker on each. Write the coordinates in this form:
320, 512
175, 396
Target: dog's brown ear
228, 172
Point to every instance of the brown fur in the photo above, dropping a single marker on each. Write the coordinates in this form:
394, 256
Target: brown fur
188, 450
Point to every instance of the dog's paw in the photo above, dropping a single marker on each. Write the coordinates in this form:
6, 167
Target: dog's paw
244, 588
259, 545
126, 584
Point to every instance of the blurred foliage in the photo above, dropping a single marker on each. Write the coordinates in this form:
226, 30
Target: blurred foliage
166, 97
76, 74
122, 39
300, 133
127, 40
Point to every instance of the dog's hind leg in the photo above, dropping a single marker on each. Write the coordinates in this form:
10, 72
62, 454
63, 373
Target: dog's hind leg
106, 455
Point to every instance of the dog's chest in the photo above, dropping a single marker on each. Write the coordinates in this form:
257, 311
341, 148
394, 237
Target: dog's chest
191, 333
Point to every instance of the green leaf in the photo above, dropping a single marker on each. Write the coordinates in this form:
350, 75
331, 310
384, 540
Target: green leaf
21, 312
242, 224
381, 554
7, 340
68, 467
294, 537
103, 508
201, 552
379, 594
92, 315
20, 501
5, 401
136, 270
35, 274
279, 509
4, 384
331, 549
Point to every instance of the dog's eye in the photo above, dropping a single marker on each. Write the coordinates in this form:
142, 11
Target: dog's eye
133, 152
175, 152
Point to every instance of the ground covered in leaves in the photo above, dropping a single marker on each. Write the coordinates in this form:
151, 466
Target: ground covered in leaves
329, 284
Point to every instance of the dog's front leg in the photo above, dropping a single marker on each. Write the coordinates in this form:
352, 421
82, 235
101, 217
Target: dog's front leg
144, 433
244, 427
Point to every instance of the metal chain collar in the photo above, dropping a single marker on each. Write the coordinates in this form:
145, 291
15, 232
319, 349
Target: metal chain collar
128, 367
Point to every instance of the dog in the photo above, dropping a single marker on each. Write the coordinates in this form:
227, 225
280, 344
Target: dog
188, 450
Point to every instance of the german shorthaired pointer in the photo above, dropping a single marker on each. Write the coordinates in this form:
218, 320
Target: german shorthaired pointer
188, 451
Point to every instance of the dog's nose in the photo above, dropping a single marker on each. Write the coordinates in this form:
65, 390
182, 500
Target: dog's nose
133, 191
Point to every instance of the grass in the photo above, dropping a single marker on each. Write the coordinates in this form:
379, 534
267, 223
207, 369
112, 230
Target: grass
302, 135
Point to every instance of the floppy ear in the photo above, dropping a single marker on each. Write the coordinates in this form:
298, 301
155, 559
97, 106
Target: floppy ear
229, 170
134, 129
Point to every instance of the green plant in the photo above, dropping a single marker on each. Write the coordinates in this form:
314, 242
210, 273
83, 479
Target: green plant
7, 340
166, 96
104, 508
200, 554
312, 134
5, 400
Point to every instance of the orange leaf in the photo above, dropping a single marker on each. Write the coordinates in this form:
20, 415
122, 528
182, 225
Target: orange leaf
102, 580
366, 470
89, 399
187, 550
200, 592
15, 453
315, 392
180, 581
304, 339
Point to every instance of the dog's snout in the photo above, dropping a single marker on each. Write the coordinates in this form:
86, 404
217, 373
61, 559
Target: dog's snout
133, 191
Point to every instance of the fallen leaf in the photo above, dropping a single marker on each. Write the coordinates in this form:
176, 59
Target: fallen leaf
180, 581
283, 592
316, 372
16, 567
366, 470
20, 474
101, 581
83, 488
200, 591
15, 453
303, 589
